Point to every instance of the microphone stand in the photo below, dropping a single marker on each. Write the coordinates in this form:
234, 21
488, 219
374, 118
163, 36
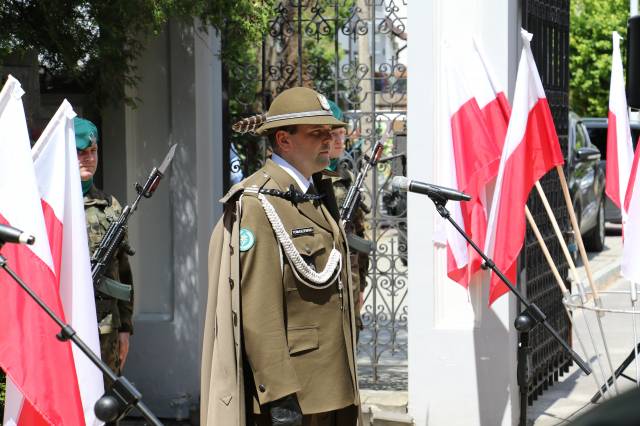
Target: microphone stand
532, 315
118, 401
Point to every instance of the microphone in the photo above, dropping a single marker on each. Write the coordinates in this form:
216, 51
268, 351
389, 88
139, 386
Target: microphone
402, 183
9, 234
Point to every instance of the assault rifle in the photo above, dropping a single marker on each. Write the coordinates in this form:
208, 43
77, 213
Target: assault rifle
352, 200
114, 236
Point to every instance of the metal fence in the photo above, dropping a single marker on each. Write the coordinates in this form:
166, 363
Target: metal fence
545, 360
353, 51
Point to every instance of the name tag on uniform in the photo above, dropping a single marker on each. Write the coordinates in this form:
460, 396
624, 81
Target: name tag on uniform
301, 231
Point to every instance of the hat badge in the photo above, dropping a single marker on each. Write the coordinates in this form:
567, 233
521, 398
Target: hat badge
93, 138
323, 102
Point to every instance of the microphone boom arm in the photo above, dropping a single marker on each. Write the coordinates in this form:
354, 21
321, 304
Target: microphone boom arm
532, 310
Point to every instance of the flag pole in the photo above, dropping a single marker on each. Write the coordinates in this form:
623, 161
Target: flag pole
576, 231
556, 228
576, 279
585, 261
532, 315
115, 402
565, 292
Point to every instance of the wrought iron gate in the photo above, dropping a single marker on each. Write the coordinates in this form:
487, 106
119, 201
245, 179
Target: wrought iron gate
545, 361
353, 51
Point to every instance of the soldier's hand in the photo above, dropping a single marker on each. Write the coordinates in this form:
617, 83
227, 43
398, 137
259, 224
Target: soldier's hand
285, 411
123, 341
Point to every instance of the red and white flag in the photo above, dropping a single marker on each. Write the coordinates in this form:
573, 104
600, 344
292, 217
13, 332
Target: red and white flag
631, 248
57, 172
473, 156
42, 386
619, 146
494, 105
531, 149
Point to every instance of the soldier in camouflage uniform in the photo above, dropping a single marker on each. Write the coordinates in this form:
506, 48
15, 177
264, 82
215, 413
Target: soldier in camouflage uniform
342, 178
114, 295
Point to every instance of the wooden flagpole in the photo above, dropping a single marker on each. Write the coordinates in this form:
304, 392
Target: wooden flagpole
583, 254
565, 292
576, 231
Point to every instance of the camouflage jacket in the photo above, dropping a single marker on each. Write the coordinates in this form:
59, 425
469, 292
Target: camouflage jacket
100, 210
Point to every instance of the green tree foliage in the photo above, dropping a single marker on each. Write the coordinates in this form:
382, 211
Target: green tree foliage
2, 392
590, 44
276, 59
93, 44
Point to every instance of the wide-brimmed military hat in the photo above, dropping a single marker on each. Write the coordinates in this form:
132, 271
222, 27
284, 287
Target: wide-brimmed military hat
298, 105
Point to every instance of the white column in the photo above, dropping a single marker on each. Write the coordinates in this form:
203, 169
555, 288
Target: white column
462, 354
181, 102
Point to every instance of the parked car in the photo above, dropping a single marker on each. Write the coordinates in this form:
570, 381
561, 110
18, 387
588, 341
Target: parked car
597, 130
586, 179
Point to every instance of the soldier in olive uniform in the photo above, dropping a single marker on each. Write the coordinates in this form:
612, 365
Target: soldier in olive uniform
342, 178
114, 304
280, 291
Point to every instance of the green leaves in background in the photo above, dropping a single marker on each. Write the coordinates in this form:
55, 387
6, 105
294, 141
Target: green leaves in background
2, 392
590, 44
91, 45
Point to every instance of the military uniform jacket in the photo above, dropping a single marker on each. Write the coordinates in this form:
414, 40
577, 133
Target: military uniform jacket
292, 339
100, 210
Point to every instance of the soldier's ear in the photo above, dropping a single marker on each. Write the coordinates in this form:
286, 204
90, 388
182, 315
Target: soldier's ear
283, 141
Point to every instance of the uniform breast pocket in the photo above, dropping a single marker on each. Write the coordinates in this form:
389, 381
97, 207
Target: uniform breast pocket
312, 248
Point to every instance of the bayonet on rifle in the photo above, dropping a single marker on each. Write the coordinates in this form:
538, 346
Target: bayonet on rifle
114, 237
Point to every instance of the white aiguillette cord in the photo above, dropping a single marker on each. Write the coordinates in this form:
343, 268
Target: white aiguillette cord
310, 278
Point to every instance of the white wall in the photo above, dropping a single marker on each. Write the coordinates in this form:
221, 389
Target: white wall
462, 354
180, 94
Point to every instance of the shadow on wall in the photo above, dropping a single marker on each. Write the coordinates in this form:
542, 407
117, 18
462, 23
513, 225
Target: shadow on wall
492, 365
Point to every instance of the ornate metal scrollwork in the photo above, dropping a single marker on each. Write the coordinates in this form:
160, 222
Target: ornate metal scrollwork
353, 51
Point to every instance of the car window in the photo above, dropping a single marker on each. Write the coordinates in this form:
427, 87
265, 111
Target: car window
635, 133
580, 140
598, 137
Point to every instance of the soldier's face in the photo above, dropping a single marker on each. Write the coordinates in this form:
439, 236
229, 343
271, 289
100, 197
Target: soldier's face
308, 148
337, 146
88, 161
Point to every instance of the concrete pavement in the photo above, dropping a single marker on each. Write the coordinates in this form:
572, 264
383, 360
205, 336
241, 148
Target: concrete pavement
571, 396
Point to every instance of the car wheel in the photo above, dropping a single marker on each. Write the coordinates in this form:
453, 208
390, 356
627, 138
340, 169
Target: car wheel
594, 241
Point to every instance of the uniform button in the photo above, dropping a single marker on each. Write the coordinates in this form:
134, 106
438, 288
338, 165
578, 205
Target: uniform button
262, 388
307, 249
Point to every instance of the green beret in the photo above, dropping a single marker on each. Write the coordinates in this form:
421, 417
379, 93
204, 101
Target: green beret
335, 110
86, 133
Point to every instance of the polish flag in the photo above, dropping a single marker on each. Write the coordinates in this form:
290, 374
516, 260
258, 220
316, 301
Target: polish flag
631, 249
531, 149
42, 386
58, 175
473, 156
494, 105
619, 146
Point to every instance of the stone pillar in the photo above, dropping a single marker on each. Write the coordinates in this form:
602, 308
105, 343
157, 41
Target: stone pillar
462, 354
181, 102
